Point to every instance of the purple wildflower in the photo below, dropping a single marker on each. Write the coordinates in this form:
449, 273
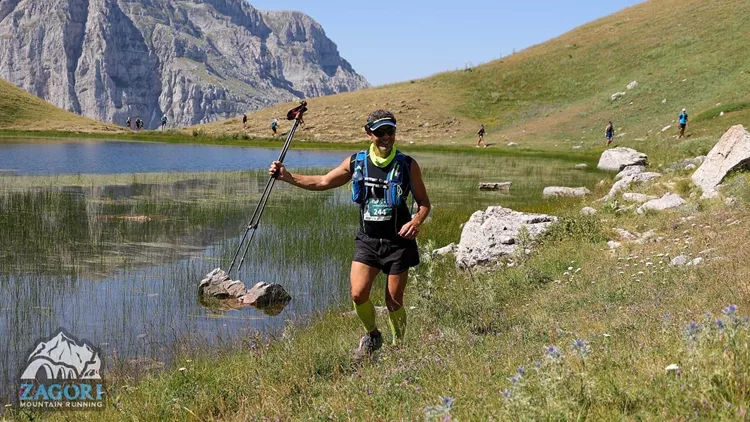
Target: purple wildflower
521, 371
553, 352
581, 346
448, 402
693, 329
720, 324
730, 311
515, 379
507, 394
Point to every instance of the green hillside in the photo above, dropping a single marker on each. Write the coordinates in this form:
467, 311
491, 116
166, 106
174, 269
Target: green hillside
690, 53
21, 111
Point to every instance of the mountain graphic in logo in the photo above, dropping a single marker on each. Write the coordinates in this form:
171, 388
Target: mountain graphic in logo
63, 358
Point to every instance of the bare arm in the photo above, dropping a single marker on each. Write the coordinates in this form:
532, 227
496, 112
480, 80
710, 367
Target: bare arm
410, 230
339, 176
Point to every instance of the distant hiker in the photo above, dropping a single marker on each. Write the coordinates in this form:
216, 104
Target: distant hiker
274, 125
683, 117
609, 132
128, 122
481, 137
244, 120
138, 124
382, 178
163, 121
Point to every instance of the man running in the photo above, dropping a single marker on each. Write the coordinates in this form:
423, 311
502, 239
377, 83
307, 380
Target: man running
481, 137
683, 117
244, 120
382, 178
609, 132
274, 125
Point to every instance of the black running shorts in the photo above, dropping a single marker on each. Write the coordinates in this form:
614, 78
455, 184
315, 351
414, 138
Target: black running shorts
390, 256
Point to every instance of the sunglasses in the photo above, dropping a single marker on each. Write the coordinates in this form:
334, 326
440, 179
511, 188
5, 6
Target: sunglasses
384, 131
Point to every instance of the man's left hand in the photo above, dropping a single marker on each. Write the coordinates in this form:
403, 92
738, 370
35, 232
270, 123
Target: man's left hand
409, 230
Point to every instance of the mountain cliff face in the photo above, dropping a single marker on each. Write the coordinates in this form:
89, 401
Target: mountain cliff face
194, 60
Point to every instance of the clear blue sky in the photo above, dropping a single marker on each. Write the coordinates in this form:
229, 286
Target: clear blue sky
392, 41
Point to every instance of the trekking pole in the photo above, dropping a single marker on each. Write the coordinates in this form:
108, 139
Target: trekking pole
295, 114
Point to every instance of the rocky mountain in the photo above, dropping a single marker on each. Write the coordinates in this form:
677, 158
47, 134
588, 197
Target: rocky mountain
194, 60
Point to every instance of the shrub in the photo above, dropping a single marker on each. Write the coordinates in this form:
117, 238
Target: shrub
586, 228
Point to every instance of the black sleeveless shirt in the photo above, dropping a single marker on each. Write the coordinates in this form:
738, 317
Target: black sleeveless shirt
374, 220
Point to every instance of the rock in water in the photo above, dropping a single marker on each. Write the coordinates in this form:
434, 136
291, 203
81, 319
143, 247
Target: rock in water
264, 294
616, 159
732, 152
218, 285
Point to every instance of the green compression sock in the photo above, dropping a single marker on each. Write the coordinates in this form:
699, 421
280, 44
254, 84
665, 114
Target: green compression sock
397, 321
366, 314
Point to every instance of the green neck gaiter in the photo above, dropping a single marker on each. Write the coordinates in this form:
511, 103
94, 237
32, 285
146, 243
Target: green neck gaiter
378, 161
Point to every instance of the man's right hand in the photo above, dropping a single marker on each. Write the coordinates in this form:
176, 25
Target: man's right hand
278, 170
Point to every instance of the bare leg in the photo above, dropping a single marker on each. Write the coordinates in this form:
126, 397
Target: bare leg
394, 290
361, 278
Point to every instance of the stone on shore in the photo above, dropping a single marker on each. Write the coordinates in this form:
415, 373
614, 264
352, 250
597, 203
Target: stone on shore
629, 171
637, 197
731, 153
491, 235
555, 191
588, 211
616, 159
502, 186
625, 182
445, 250
670, 200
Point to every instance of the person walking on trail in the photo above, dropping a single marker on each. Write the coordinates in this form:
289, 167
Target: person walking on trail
163, 121
481, 137
683, 118
244, 120
274, 125
128, 122
609, 132
382, 178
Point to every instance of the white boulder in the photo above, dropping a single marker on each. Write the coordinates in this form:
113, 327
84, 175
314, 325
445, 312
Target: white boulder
492, 235
554, 191
670, 200
626, 181
636, 197
732, 152
630, 170
633, 85
616, 159
588, 211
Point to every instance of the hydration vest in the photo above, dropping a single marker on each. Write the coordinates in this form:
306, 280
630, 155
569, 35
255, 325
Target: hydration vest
395, 194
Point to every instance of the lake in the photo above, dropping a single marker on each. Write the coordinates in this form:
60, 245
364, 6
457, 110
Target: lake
97, 157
